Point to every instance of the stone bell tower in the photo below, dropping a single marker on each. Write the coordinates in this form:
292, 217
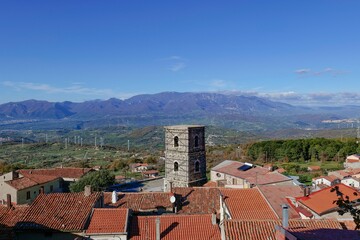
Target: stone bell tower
185, 158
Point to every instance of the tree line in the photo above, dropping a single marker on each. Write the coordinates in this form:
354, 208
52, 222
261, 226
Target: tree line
300, 150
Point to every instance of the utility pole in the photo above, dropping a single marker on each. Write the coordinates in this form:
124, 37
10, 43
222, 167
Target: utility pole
22, 142
128, 145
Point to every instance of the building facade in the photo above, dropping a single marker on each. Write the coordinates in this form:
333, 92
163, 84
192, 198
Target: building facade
185, 158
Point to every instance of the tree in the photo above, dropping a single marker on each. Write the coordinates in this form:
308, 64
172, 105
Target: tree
98, 180
347, 206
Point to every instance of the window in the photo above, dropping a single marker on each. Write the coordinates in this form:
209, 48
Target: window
197, 166
27, 195
51, 188
196, 141
176, 166
176, 141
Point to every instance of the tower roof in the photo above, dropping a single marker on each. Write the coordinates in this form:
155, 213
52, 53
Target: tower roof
184, 126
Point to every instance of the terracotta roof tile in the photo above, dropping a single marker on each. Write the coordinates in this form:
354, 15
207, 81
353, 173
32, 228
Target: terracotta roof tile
60, 211
30, 181
255, 175
247, 204
108, 220
189, 200
322, 201
314, 168
210, 184
303, 229
10, 216
175, 227
277, 195
138, 202
66, 172
198, 200
150, 172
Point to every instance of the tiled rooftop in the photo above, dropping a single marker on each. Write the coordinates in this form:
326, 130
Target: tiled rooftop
8, 219
330, 178
59, 211
276, 196
247, 204
322, 201
255, 175
198, 200
175, 227
30, 181
66, 172
302, 229
10, 216
138, 202
189, 200
108, 220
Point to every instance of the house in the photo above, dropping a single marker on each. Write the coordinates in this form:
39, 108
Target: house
345, 173
58, 215
313, 168
67, 174
108, 223
320, 229
246, 175
150, 173
322, 204
245, 204
352, 161
190, 227
351, 182
325, 180
24, 189
188, 201
139, 167
276, 196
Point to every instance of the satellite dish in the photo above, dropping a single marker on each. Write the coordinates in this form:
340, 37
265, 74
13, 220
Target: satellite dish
172, 199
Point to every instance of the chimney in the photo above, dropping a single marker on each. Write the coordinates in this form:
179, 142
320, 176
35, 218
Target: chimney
305, 191
114, 197
213, 219
87, 190
157, 222
222, 210
285, 216
170, 186
8, 200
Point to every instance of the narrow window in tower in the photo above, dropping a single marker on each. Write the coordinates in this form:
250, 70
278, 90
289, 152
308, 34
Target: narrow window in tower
196, 141
197, 166
176, 166
176, 141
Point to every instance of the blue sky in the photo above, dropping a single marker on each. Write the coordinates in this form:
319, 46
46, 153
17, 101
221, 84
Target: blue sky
305, 52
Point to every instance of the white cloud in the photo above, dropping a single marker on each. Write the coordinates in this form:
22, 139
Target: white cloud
303, 71
326, 71
75, 88
176, 63
177, 66
218, 83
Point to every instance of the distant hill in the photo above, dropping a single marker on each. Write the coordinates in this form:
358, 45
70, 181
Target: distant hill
241, 112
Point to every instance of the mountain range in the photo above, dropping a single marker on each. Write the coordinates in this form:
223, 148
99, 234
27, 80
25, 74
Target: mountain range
177, 108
